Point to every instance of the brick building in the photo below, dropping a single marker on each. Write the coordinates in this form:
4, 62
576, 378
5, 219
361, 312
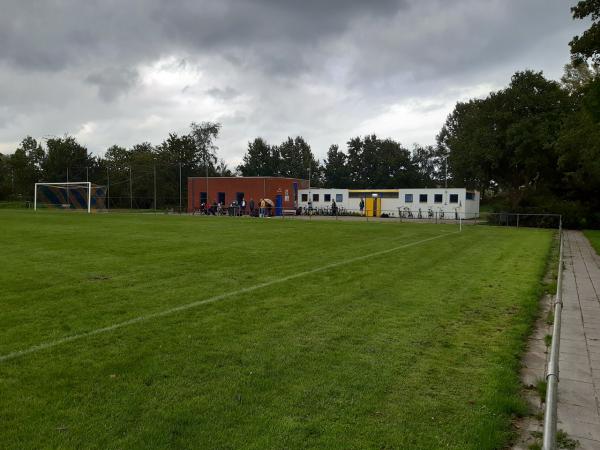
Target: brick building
283, 192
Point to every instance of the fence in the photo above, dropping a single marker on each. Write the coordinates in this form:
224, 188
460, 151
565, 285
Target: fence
550, 416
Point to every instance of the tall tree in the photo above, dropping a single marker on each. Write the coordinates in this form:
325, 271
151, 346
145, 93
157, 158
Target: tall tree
336, 172
65, 156
25, 166
204, 136
380, 163
577, 75
297, 160
507, 140
587, 46
428, 163
260, 159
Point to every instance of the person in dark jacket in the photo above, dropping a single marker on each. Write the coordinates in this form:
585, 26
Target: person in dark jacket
251, 204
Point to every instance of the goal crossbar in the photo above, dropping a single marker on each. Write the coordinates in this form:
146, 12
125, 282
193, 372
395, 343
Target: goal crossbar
87, 184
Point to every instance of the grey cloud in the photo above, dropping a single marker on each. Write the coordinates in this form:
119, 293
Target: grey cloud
316, 67
223, 94
113, 81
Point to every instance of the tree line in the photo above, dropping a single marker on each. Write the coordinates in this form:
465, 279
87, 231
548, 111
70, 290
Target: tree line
137, 176
533, 146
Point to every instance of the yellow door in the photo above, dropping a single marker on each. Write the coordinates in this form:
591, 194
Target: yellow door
372, 206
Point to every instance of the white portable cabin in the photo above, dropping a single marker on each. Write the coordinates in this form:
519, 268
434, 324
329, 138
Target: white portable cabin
422, 202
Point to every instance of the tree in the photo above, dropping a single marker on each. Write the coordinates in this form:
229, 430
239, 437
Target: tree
260, 159
578, 74
587, 46
25, 166
380, 163
296, 158
428, 163
336, 172
578, 147
507, 139
204, 136
65, 158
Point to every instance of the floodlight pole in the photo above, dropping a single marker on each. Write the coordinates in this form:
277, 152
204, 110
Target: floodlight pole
179, 187
446, 173
154, 187
35, 198
107, 188
130, 191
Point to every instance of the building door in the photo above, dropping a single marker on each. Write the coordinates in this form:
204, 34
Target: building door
373, 206
279, 205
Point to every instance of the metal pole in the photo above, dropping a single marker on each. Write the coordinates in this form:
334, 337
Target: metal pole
130, 190
87, 174
107, 188
518, 220
68, 201
154, 187
206, 170
89, 208
552, 375
179, 188
446, 175
35, 198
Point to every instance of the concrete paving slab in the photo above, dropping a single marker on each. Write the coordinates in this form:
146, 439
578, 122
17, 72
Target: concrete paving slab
586, 444
577, 393
580, 413
579, 359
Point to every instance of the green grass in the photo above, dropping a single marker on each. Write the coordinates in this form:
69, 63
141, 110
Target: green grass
417, 348
594, 238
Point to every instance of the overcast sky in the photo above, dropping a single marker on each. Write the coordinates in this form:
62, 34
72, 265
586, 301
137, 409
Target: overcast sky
123, 72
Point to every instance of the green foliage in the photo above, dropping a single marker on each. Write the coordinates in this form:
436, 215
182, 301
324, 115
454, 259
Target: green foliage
380, 163
336, 172
587, 46
505, 141
261, 159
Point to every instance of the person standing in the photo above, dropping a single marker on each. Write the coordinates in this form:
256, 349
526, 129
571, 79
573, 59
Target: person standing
243, 207
251, 204
361, 205
333, 208
261, 207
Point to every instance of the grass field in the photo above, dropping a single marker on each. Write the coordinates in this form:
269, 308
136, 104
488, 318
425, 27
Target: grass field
594, 238
316, 334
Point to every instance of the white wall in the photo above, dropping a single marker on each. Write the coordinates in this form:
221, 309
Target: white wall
463, 207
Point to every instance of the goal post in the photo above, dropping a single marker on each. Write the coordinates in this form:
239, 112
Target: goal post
69, 195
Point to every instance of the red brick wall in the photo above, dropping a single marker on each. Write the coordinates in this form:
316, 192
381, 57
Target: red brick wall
252, 187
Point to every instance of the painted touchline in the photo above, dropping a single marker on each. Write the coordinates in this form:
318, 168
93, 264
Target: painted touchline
75, 337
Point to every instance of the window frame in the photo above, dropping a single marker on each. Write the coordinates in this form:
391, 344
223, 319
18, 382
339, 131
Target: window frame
407, 196
451, 196
421, 198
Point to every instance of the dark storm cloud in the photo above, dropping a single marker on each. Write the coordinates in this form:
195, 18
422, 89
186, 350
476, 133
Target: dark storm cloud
113, 81
324, 68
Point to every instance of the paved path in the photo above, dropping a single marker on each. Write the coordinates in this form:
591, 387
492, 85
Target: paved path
579, 362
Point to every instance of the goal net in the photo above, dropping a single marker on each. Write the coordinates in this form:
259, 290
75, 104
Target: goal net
72, 195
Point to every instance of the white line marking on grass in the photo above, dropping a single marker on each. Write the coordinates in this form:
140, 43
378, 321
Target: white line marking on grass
75, 337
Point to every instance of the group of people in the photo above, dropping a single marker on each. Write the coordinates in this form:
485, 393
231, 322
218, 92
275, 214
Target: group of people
236, 208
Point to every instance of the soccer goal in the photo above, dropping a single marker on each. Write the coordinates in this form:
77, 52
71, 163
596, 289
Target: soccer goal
70, 195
